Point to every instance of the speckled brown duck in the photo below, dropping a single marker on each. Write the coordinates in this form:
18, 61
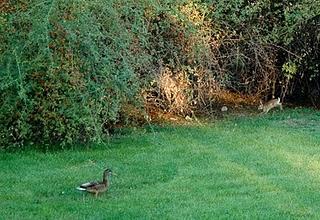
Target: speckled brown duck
96, 187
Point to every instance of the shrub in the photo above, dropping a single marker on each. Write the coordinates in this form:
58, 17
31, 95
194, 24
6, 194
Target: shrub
68, 67
71, 69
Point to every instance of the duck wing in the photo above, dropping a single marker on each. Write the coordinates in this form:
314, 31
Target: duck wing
85, 186
101, 187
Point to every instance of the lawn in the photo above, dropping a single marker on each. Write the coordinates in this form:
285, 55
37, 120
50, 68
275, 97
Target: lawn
245, 167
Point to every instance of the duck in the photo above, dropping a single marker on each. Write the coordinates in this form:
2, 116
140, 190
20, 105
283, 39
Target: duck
96, 187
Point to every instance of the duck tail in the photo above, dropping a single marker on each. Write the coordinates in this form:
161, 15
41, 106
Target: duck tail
81, 189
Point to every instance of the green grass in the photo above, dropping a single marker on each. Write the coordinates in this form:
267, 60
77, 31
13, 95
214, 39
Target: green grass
260, 167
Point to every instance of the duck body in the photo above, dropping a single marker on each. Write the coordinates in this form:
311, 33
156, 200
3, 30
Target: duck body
97, 187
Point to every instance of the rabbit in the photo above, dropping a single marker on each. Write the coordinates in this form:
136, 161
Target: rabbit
270, 105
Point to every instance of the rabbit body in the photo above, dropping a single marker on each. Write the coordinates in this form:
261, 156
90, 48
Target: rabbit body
270, 105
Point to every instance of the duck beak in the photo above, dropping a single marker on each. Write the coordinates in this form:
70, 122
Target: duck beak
114, 174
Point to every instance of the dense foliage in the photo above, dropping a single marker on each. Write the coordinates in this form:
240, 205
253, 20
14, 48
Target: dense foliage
70, 68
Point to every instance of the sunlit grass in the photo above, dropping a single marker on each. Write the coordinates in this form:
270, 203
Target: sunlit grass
260, 167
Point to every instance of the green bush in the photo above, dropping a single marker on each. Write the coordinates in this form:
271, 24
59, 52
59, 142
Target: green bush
69, 68
258, 38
